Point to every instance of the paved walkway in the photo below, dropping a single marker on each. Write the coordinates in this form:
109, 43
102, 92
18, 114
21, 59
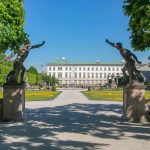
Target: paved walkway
72, 122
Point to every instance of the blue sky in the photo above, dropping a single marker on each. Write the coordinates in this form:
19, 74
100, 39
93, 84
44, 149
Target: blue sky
76, 29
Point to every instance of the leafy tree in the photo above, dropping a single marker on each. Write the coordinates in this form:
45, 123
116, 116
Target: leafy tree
5, 67
4, 70
54, 81
12, 34
33, 79
5, 60
139, 23
46, 78
33, 70
38, 79
49, 79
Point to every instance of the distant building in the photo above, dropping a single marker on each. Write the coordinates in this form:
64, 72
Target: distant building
74, 74
145, 69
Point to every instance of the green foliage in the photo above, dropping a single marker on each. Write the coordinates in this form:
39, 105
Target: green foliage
49, 79
33, 70
46, 78
54, 81
53, 88
5, 60
34, 78
38, 79
139, 23
4, 70
12, 34
89, 88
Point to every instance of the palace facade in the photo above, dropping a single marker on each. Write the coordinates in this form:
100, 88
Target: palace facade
97, 73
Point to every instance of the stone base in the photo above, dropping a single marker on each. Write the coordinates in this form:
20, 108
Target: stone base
1, 109
134, 103
14, 102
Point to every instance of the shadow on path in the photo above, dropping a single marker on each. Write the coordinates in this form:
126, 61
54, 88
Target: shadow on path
69, 127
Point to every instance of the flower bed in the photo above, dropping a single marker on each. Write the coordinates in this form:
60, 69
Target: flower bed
109, 95
39, 95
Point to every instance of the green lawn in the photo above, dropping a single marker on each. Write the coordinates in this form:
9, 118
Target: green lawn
108, 95
38, 95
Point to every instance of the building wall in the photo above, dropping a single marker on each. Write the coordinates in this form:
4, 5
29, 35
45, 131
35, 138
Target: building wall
83, 74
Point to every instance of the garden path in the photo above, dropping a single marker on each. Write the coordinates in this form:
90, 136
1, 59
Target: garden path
72, 122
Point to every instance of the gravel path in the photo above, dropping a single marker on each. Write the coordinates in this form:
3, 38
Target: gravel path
72, 122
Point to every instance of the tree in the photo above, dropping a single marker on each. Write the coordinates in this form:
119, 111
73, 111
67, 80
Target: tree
12, 34
49, 79
4, 70
54, 81
5, 60
33, 78
33, 70
139, 23
46, 78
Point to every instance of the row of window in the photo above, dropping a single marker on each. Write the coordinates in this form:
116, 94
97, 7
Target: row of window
82, 81
85, 75
86, 68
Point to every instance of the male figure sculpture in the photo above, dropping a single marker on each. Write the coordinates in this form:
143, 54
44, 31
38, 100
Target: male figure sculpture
18, 67
129, 66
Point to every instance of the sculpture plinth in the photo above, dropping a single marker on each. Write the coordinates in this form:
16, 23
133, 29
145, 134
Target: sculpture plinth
134, 103
1, 109
14, 102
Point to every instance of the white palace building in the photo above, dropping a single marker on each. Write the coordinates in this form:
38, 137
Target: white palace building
83, 73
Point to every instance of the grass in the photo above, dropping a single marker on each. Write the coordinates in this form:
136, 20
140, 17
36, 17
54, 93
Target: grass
112, 95
38, 95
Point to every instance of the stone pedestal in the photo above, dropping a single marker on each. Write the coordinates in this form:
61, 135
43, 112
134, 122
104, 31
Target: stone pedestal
1, 109
14, 102
134, 103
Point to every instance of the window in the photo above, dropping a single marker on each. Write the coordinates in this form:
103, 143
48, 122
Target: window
53, 68
75, 75
59, 75
66, 75
92, 69
83, 75
92, 75
109, 69
88, 68
79, 75
88, 75
96, 75
69, 68
113, 69
96, 69
66, 68
100, 75
117, 69
104, 75
104, 69
49, 68
69, 75
59, 68
80, 68
84, 68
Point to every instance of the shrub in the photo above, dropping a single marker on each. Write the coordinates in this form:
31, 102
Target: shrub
53, 88
89, 88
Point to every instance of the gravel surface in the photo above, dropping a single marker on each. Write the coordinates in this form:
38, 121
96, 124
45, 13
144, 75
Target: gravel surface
72, 122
